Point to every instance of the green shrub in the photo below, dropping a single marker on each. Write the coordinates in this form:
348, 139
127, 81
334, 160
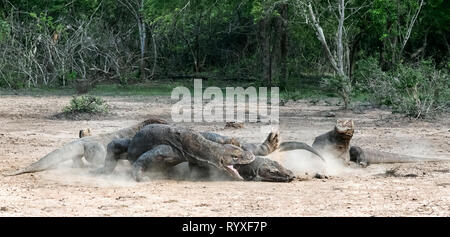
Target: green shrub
86, 104
416, 90
423, 91
369, 78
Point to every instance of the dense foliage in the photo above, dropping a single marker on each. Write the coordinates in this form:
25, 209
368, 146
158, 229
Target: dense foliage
273, 43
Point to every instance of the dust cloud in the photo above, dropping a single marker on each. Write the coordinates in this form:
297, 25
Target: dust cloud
303, 162
67, 174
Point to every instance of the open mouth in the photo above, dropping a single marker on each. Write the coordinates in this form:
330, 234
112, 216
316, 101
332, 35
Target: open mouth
233, 172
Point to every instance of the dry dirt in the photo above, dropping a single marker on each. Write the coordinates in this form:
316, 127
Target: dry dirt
27, 133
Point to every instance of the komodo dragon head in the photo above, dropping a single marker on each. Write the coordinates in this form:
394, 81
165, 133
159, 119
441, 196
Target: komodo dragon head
234, 155
265, 169
345, 127
343, 134
85, 133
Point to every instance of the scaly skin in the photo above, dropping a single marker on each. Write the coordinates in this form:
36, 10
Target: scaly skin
92, 148
366, 157
264, 169
162, 146
337, 141
261, 169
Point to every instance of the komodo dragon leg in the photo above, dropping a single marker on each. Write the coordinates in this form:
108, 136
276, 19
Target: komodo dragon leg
159, 157
115, 149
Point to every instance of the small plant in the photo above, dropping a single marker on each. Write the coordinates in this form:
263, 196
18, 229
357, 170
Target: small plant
86, 104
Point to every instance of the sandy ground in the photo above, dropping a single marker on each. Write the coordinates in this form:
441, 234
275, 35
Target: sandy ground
28, 133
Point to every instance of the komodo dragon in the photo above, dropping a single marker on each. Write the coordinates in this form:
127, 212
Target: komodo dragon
146, 153
92, 148
162, 146
264, 169
268, 146
366, 157
337, 143
261, 169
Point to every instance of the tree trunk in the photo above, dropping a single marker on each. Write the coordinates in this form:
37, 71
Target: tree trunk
142, 45
283, 46
353, 51
155, 55
265, 52
409, 29
340, 47
321, 37
337, 62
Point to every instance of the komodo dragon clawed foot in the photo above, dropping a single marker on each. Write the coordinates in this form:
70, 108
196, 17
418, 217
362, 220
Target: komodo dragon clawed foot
357, 156
272, 141
138, 175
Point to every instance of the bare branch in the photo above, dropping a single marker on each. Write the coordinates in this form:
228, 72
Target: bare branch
410, 26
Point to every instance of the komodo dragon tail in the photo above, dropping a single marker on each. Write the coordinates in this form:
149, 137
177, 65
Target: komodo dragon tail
67, 152
289, 146
376, 157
